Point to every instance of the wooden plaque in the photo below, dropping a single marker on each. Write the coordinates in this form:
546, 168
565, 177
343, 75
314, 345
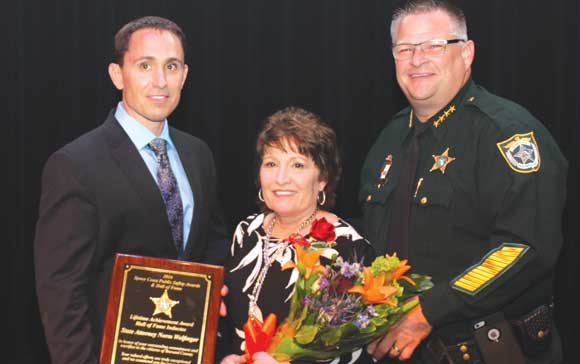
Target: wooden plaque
161, 311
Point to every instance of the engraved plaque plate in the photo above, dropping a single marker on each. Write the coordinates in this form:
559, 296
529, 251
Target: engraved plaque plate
161, 311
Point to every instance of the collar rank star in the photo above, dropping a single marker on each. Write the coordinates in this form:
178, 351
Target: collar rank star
441, 161
163, 304
444, 116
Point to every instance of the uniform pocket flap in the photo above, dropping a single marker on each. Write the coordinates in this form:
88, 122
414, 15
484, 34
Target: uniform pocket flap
376, 194
433, 192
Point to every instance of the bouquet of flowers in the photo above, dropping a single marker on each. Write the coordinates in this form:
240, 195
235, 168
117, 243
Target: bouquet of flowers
338, 307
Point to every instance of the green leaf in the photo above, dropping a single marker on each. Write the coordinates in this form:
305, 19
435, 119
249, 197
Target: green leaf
300, 284
332, 336
369, 329
303, 314
378, 321
301, 269
349, 329
310, 281
409, 305
384, 264
384, 309
306, 334
422, 283
320, 245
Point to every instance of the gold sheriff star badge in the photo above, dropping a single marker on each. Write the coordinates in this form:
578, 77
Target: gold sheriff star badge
441, 161
163, 304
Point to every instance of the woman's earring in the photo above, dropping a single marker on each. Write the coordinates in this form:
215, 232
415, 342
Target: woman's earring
321, 203
260, 197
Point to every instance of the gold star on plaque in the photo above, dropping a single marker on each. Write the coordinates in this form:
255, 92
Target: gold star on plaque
441, 161
163, 304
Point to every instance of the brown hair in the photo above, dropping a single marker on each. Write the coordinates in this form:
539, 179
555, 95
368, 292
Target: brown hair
148, 22
459, 24
311, 136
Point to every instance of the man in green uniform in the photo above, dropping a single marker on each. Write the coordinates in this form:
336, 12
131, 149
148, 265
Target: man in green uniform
470, 187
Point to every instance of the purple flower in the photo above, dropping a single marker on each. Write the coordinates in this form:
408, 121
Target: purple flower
350, 270
370, 310
361, 321
307, 300
323, 282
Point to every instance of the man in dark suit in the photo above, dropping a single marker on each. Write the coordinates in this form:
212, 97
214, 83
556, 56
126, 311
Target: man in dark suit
106, 193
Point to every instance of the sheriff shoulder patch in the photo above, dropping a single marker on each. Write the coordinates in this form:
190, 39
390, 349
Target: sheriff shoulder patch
490, 268
521, 152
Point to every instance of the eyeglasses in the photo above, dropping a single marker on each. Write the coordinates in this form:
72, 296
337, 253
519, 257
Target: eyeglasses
430, 48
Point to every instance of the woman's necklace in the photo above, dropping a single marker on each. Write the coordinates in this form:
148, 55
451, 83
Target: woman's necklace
253, 309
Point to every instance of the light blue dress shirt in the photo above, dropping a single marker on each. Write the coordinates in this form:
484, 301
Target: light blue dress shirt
141, 136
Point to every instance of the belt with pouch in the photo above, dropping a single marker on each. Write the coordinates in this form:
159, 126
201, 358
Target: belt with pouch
534, 330
495, 340
461, 352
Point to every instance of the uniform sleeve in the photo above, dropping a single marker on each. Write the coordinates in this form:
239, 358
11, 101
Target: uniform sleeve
524, 204
64, 244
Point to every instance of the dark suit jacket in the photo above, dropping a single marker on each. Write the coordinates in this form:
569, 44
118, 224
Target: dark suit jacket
98, 199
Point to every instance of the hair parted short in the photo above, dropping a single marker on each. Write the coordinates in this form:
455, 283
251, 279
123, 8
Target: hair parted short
311, 137
148, 22
424, 6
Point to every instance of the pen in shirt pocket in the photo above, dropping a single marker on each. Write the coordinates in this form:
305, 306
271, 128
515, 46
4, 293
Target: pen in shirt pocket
419, 182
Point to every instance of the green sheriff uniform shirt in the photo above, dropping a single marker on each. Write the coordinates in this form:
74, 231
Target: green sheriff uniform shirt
485, 210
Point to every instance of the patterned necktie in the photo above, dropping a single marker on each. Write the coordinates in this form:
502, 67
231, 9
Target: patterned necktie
169, 192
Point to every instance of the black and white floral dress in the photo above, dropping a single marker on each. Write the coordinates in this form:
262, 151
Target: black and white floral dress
244, 265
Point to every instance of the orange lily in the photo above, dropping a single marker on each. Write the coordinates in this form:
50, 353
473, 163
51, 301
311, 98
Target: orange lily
258, 334
401, 269
309, 259
374, 290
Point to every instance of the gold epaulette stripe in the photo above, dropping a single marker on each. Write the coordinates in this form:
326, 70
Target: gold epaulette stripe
474, 280
510, 251
486, 270
481, 275
466, 286
492, 266
506, 253
466, 283
499, 259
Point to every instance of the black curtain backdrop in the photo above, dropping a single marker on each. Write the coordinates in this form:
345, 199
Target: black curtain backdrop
248, 59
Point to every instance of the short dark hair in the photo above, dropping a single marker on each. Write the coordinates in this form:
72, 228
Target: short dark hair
425, 6
148, 22
311, 136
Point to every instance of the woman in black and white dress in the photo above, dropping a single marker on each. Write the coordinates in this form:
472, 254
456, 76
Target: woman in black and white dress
298, 174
